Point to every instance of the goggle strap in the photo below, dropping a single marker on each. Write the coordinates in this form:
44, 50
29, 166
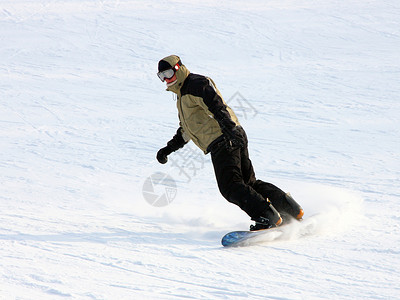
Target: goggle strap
178, 65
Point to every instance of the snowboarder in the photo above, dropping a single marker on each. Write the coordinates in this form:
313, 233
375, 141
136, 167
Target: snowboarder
211, 124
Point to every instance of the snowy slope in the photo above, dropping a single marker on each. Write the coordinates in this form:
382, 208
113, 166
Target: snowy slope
82, 114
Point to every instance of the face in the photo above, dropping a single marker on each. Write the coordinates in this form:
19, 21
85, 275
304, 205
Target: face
172, 79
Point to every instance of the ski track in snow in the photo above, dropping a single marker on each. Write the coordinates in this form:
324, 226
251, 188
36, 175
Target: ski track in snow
82, 115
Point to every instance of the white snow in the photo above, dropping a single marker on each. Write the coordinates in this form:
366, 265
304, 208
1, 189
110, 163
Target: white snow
82, 115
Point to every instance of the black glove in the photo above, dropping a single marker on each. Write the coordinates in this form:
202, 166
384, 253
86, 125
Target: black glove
176, 143
237, 139
232, 134
163, 153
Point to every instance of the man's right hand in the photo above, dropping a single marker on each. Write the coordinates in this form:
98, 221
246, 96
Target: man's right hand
162, 154
234, 137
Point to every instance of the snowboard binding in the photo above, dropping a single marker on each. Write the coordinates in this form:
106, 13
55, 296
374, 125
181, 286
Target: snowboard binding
288, 209
269, 219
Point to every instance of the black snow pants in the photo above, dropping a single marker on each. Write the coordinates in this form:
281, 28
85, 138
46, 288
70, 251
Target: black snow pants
237, 181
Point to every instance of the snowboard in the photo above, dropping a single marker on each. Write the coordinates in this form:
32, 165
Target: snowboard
291, 230
243, 238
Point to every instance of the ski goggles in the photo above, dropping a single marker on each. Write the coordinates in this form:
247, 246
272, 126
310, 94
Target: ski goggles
169, 73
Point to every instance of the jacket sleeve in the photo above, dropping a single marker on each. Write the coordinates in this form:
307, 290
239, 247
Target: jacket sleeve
216, 106
185, 137
178, 141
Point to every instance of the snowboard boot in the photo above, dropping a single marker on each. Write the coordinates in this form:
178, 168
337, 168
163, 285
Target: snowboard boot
295, 209
270, 218
292, 209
